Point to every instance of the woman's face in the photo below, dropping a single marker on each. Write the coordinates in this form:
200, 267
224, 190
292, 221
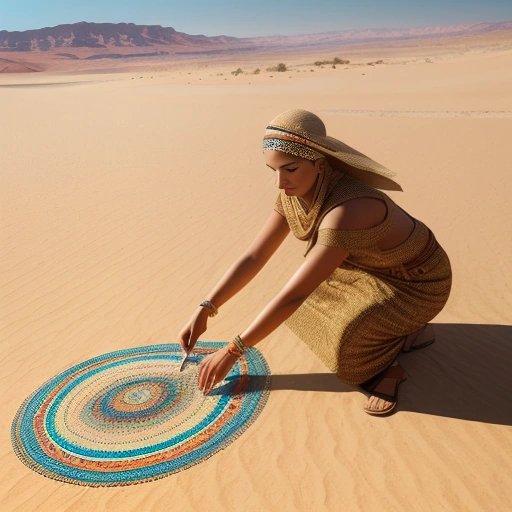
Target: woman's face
296, 176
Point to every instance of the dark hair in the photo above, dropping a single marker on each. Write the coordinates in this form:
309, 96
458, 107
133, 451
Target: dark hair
336, 164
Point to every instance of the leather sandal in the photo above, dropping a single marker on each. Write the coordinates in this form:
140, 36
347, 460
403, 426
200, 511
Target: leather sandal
419, 339
388, 384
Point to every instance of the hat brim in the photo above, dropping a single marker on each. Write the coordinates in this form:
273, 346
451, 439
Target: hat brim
352, 161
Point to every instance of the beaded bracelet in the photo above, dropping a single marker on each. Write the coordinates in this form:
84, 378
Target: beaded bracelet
239, 344
208, 305
233, 350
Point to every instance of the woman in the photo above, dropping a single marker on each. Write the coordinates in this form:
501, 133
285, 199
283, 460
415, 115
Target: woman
373, 277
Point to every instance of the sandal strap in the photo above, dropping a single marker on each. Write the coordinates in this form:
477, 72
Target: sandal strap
390, 379
390, 371
389, 384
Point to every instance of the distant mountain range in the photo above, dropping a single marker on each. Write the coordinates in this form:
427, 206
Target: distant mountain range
104, 35
101, 36
382, 34
84, 46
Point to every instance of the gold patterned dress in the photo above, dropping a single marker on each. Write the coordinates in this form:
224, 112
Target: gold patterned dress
357, 319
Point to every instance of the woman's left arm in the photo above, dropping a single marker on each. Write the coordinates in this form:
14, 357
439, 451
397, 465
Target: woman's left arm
318, 266
321, 262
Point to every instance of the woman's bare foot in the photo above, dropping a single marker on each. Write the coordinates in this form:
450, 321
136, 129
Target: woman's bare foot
384, 394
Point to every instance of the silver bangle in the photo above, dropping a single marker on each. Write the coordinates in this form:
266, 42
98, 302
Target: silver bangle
208, 305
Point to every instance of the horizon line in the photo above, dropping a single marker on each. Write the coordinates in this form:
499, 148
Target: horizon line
454, 25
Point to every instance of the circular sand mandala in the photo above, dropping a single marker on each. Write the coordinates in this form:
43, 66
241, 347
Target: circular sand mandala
131, 416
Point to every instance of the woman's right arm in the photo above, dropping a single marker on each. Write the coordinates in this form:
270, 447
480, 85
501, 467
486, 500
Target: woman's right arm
270, 237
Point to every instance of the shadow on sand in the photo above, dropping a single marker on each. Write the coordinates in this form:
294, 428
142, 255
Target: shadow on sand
466, 374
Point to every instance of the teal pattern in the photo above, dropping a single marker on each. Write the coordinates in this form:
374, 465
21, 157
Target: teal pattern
130, 416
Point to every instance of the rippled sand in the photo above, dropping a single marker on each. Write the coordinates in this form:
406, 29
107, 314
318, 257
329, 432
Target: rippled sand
125, 197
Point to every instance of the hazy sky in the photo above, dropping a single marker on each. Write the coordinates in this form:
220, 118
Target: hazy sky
261, 17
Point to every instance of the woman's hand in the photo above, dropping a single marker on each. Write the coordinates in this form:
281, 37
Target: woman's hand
193, 329
214, 367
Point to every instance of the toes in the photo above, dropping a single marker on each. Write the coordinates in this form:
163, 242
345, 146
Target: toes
384, 404
375, 403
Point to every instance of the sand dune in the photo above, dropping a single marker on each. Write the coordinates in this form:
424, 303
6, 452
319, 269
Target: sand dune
125, 198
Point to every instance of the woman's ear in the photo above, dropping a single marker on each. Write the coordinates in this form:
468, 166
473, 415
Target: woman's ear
320, 165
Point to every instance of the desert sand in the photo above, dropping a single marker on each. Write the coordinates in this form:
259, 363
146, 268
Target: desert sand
124, 198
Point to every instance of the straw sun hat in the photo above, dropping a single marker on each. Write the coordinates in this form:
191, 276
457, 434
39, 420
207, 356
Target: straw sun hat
303, 128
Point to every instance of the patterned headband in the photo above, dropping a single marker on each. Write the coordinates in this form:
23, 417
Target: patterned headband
290, 147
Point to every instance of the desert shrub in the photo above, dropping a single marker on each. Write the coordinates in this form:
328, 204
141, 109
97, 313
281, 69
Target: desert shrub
256, 71
237, 72
336, 60
281, 67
